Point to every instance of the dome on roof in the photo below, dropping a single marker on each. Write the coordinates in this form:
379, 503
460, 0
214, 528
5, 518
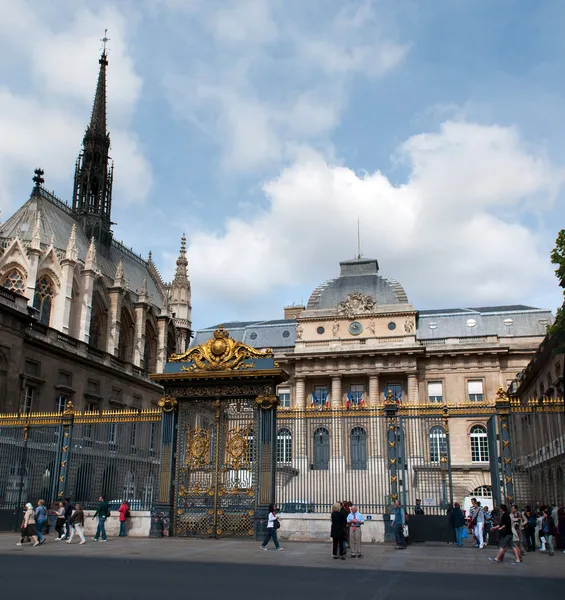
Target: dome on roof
359, 282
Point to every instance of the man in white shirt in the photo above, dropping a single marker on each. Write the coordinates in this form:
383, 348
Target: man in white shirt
355, 520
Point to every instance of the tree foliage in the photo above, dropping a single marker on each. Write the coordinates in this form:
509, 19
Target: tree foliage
557, 330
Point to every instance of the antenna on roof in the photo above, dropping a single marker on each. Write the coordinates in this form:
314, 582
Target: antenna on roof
358, 240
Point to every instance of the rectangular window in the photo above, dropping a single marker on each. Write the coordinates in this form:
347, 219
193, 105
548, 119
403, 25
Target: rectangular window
284, 398
435, 391
32, 368
116, 395
65, 378
92, 407
137, 400
320, 396
475, 390
356, 393
61, 403
93, 387
29, 396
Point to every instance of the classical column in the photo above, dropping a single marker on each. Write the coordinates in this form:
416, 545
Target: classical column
300, 394
373, 390
336, 391
412, 388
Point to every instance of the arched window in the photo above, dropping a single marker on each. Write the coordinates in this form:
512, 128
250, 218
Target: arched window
44, 292
150, 353
321, 449
98, 322
125, 349
284, 445
438, 444
129, 486
483, 491
479, 444
358, 449
14, 281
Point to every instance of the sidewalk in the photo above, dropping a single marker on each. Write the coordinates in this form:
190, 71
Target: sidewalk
423, 558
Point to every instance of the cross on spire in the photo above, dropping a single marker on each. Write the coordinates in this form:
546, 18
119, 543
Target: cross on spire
38, 178
104, 40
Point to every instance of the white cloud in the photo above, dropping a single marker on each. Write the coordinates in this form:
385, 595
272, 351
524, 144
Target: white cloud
43, 126
471, 255
265, 83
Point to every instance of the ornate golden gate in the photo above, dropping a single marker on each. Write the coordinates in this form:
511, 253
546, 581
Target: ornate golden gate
219, 439
217, 472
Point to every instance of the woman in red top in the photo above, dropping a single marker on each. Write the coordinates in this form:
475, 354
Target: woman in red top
124, 515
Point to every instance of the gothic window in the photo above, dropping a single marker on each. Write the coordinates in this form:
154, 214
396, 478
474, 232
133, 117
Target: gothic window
171, 341
98, 323
479, 444
358, 449
43, 298
284, 445
438, 444
125, 350
321, 449
129, 486
150, 353
14, 281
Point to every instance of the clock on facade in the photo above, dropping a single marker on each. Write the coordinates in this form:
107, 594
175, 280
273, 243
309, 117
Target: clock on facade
355, 328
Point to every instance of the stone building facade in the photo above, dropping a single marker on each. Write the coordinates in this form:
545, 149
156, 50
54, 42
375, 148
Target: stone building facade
359, 340
98, 317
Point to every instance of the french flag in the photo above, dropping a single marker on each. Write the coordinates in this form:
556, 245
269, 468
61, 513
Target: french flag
348, 401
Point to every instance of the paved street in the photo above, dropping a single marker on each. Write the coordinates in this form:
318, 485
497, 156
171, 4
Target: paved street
144, 569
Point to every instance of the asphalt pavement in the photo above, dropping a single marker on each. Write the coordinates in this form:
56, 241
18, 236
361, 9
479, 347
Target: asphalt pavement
164, 569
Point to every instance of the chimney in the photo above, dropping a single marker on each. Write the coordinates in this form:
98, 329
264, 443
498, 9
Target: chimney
294, 311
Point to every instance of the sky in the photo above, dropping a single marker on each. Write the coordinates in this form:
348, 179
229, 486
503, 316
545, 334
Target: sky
266, 129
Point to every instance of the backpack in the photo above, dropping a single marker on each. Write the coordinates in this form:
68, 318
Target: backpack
128, 514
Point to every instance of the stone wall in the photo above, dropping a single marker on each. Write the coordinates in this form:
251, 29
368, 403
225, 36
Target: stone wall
316, 527
138, 525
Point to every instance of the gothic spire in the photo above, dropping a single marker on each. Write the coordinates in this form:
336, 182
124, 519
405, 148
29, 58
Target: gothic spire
90, 262
92, 195
181, 275
72, 250
36, 233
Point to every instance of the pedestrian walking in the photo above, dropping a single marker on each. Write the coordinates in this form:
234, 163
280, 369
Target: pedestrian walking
102, 512
68, 512
77, 523
337, 532
506, 537
28, 526
124, 516
548, 529
272, 525
457, 521
477, 522
530, 529
398, 523
40, 520
355, 520
60, 522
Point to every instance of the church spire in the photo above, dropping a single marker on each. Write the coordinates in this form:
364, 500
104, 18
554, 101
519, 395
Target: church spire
181, 275
92, 195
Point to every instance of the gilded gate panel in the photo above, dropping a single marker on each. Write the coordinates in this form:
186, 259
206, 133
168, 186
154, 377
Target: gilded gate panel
216, 469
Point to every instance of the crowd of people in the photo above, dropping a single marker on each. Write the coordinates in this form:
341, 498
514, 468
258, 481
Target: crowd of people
68, 520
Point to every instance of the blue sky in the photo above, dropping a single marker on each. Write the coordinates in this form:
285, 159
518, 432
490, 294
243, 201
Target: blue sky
265, 128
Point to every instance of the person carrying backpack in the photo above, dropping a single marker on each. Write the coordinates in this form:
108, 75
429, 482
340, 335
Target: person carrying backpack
530, 529
124, 516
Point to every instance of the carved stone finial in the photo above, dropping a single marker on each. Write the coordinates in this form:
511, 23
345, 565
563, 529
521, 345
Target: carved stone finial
144, 291
72, 250
90, 262
119, 276
38, 180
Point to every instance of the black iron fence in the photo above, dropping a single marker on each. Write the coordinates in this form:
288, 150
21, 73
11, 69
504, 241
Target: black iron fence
78, 455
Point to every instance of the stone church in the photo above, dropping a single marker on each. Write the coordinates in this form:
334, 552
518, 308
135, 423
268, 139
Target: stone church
98, 316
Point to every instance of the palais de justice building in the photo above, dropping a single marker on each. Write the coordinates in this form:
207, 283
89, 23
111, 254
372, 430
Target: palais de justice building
358, 339
82, 317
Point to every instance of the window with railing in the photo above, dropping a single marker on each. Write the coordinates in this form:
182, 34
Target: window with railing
356, 394
320, 396
29, 397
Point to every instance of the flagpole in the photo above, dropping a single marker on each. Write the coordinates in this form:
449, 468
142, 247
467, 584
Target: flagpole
358, 240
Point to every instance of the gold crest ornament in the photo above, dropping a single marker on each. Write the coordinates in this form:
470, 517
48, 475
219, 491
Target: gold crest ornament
197, 448
221, 353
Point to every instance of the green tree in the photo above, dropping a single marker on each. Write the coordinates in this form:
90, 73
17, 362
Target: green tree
557, 330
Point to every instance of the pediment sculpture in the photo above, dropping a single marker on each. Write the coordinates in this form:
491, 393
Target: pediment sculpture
221, 353
356, 304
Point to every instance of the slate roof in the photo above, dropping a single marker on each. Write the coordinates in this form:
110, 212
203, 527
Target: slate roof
278, 333
57, 220
360, 275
